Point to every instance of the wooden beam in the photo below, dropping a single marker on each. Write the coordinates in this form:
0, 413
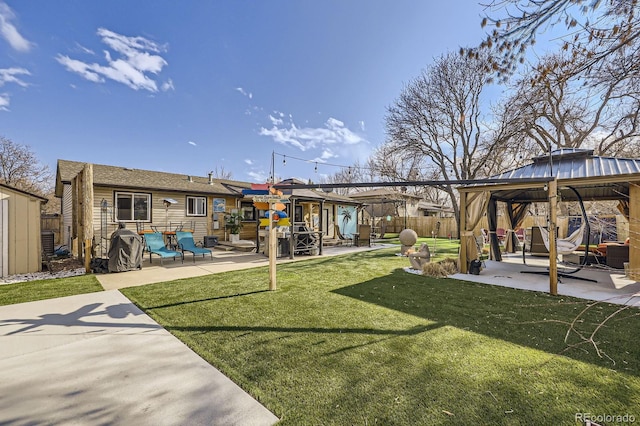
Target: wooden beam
87, 217
463, 224
553, 235
634, 230
273, 248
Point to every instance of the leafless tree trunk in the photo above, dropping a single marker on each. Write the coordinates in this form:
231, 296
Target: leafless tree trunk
438, 119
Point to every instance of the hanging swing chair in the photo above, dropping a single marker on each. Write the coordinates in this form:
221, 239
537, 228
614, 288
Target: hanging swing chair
569, 245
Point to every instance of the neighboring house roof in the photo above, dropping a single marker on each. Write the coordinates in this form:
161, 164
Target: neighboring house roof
382, 194
30, 194
123, 177
433, 207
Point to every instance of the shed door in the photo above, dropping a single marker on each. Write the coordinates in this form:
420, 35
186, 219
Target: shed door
4, 238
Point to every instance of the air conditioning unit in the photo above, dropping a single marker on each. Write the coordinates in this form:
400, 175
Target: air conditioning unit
210, 241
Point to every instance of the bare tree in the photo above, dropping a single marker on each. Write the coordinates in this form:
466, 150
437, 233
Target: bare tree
549, 108
351, 174
20, 168
221, 173
593, 31
437, 118
391, 165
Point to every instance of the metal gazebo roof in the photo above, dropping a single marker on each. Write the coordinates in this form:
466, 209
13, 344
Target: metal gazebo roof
595, 177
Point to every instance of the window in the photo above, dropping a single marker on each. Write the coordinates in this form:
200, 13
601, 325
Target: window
248, 211
132, 207
196, 206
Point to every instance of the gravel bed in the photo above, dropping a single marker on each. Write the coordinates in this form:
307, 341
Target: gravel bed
60, 268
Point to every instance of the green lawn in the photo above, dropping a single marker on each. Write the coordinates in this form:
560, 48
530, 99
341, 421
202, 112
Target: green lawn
356, 340
47, 289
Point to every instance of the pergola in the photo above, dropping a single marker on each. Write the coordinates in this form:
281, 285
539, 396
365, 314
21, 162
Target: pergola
594, 178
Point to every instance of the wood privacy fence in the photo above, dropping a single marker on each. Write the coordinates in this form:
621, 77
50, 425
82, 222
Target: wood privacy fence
52, 222
425, 225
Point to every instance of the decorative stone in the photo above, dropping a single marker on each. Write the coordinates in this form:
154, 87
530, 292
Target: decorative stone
408, 237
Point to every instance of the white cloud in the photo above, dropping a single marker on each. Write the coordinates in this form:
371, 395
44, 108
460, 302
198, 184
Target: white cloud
192, 143
9, 32
83, 49
275, 121
9, 75
167, 85
244, 92
137, 58
248, 161
362, 127
258, 176
334, 132
4, 102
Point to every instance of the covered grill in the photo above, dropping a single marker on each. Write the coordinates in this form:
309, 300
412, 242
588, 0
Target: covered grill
125, 251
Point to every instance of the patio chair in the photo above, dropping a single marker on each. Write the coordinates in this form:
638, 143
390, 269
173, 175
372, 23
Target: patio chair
155, 245
186, 243
342, 238
364, 232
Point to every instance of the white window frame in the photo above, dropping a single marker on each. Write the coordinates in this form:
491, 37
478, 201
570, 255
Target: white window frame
202, 204
133, 196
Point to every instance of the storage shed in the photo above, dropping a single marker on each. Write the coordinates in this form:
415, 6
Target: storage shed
20, 239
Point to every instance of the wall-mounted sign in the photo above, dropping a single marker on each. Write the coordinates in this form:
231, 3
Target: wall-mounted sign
218, 205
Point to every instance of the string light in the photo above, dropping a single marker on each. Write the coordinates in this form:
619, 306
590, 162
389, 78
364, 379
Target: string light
305, 160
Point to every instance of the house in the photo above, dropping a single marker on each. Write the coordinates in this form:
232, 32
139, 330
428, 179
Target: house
105, 196
20, 236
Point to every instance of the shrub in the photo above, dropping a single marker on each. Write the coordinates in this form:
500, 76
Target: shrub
442, 269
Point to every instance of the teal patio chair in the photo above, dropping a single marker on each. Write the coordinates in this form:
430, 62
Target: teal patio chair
186, 243
155, 245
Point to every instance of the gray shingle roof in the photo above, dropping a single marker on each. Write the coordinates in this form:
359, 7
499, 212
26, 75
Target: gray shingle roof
122, 177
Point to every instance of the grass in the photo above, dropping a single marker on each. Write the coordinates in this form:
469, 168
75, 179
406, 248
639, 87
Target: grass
356, 340
47, 289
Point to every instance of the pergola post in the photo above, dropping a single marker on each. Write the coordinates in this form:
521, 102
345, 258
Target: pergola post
634, 231
462, 231
87, 216
552, 189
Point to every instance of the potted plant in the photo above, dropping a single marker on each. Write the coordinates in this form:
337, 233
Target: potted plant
233, 223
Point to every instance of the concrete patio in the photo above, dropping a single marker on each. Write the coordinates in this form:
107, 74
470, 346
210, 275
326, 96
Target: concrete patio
223, 261
611, 284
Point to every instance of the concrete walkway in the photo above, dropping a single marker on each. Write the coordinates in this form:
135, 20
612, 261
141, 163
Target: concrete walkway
97, 359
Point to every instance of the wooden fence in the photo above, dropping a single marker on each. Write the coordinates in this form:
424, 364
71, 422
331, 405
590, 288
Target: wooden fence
426, 225
52, 222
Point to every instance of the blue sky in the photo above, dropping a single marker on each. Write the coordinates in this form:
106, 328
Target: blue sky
191, 86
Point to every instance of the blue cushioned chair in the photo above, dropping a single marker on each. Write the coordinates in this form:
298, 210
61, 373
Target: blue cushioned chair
186, 243
155, 245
